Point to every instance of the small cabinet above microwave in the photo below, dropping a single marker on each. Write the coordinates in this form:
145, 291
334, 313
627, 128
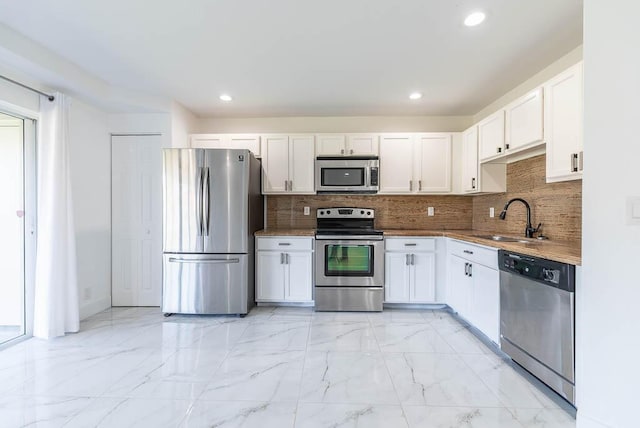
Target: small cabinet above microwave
347, 174
346, 144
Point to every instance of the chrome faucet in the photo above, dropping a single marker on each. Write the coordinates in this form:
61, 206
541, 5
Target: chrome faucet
529, 230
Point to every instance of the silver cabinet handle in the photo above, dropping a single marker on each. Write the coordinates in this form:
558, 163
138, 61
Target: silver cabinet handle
410, 244
467, 252
351, 151
499, 149
419, 185
411, 185
209, 261
413, 259
291, 185
342, 151
286, 258
581, 161
286, 185
473, 183
407, 260
284, 244
574, 162
470, 270
281, 258
506, 146
466, 269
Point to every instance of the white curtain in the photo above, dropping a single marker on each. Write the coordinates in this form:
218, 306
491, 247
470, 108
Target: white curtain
56, 309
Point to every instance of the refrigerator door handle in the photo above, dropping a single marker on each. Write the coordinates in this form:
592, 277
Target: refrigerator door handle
199, 202
205, 201
210, 261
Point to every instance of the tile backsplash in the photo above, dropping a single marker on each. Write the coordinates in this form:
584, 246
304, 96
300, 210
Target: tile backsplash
558, 206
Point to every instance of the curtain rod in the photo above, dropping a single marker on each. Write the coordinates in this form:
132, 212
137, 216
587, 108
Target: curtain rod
49, 97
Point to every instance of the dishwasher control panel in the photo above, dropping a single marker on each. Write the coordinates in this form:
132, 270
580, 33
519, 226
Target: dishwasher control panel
556, 274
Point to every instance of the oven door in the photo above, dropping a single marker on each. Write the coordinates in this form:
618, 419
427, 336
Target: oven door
349, 263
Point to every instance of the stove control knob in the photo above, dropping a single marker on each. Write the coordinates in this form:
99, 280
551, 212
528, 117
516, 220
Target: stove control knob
321, 212
368, 212
328, 212
361, 212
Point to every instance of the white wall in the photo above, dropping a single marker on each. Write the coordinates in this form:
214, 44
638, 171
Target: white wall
142, 123
533, 82
334, 124
608, 341
90, 164
183, 123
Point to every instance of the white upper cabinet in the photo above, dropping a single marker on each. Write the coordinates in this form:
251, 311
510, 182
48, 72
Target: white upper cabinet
288, 164
524, 122
346, 144
415, 163
432, 152
226, 141
396, 163
491, 136
470, 182
563, 121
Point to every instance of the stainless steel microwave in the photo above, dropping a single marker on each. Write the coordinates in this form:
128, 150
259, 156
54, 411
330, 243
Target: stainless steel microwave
347, 174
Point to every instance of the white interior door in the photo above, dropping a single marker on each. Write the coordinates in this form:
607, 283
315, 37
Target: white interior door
136, 193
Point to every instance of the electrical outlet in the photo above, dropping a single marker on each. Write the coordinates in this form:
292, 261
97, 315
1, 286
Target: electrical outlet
307, 211
430, 211
492, 212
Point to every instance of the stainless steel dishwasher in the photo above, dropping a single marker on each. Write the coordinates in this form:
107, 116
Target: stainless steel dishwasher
537, 318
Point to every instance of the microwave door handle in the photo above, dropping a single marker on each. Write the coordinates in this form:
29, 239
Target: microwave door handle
367, 176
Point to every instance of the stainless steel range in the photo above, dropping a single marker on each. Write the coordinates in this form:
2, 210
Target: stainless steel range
349, 261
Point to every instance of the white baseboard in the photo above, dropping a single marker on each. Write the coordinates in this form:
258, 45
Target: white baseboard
92, 308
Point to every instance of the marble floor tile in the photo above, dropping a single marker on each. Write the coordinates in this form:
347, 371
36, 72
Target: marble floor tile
342, 336
437, 380
509, 385
277, 367
413, 337
544, 418
257, 376
314, 415
240, 414
346, 377
460, 417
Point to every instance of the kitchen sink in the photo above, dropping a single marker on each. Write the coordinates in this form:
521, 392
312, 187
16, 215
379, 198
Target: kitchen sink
501, 238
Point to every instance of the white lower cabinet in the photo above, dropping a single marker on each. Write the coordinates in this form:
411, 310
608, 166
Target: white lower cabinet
284, 269
410, 270
473, 286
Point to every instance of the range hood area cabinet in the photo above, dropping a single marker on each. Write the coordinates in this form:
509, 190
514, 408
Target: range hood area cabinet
347, 144
416, 163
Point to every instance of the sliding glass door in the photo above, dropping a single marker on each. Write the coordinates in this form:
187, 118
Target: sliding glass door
17, 191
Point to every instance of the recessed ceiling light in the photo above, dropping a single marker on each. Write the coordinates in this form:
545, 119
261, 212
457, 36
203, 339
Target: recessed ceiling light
474, 19
415, 96
225, 97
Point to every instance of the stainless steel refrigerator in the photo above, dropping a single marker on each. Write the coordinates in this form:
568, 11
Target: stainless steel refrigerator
212, 207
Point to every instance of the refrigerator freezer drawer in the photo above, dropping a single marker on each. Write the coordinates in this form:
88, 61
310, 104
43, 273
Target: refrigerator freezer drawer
205, 284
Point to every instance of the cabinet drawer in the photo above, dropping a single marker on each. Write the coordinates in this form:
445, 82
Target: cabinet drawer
410, 244
284, 243
474, 253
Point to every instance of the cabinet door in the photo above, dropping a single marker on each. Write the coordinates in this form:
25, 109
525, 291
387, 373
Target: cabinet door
208, 141
458, 286
423, 278
275, 164
396, 164
470, 160
396, 277
362, 144
491, 136
433, 152
300, 277
270, 276
301, 164
563, 122
245, 141
524, 120
330, 145
485, 301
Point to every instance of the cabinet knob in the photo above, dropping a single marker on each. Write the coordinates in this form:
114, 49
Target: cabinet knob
351, 151
473, 183
342, 151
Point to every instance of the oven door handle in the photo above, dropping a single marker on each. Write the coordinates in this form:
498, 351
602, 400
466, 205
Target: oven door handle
349, 237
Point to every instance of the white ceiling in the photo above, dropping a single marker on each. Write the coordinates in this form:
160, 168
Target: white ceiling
303, 57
